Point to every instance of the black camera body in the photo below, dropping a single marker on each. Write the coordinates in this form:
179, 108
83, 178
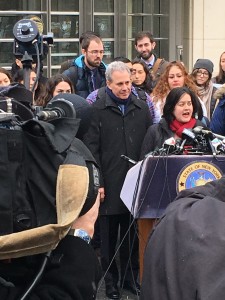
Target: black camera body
26, 33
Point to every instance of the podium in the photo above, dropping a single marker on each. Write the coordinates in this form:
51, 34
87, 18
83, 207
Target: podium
152, 184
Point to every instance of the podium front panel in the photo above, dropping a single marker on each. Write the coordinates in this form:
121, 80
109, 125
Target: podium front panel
162, 178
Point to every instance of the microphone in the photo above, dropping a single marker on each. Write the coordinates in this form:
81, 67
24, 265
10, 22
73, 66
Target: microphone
55, 109
128, 159
189, 133
168, 145
209, 133
180, 145
204, 131
218, 145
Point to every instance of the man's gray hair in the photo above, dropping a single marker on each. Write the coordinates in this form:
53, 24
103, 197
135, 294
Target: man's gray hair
115, 66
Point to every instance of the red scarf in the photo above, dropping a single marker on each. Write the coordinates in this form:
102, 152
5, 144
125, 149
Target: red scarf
178, 127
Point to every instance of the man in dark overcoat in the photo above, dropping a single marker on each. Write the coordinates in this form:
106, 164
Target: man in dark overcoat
118, 127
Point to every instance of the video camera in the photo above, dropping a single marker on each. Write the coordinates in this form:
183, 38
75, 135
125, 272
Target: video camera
26, 33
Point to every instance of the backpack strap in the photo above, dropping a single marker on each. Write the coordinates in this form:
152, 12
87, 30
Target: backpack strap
156, 65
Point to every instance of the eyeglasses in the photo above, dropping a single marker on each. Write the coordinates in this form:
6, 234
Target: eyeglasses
95, 52
201, 73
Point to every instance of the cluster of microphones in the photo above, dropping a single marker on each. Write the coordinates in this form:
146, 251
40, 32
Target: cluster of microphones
196, 141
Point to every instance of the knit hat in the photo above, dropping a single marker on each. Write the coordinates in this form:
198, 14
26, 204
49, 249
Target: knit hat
206, 64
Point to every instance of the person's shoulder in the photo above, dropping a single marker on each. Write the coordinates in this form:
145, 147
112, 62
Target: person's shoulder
79, 61
163, 62
91, 98
139, 102
98, 98
153, 129
220, 92
103, 65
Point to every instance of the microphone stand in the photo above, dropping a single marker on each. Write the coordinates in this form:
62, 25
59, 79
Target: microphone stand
27, 66
212, 147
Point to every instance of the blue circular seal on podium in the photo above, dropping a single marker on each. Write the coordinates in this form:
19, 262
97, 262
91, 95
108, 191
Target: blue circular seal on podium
197, 173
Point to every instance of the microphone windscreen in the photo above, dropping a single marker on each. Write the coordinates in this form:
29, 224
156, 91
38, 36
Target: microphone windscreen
18, 92
83, 111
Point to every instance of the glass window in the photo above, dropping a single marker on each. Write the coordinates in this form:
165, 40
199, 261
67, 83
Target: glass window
104, 26
63, 51
151, 15
109, 51
22, 5
104, 6
161, 7
7, 56
138, 23
65, 5
138, 6
65, 26
162, 48
6, 26
161, 27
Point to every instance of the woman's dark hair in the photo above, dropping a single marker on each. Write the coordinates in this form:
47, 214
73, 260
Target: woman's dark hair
51, 84
147, 85
220, 78
7, 73
19, 77
172, 99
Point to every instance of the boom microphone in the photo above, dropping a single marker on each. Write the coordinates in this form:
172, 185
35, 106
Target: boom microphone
59, 108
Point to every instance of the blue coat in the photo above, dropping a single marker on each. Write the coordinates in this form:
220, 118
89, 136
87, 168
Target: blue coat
217, 124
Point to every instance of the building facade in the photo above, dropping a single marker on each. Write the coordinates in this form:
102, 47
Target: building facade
184, 29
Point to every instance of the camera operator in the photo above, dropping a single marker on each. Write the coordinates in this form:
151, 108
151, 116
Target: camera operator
35, 150
73, 272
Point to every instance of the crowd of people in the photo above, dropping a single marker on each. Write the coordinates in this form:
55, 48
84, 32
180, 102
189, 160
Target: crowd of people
137, 105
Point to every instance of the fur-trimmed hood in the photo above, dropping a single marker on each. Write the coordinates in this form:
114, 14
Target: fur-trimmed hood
220, 93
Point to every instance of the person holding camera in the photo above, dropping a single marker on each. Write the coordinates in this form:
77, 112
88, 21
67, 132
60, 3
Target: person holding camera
73, 270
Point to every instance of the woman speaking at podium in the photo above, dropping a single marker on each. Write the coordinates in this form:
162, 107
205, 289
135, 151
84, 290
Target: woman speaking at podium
182, 110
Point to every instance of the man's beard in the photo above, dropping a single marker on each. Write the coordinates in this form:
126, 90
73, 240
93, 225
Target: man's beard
146, 55
94, 64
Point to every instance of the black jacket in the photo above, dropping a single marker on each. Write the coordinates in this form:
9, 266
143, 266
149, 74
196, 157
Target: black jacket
112, 134
156, 136
184, 259
72, 273
81, 77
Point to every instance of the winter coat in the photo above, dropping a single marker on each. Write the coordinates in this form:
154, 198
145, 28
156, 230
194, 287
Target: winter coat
156, 136
217, 123
91, 98
185, 253
72, 273
112, 134
81, 77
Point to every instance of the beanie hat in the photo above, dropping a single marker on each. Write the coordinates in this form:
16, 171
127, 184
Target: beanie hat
206, 64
